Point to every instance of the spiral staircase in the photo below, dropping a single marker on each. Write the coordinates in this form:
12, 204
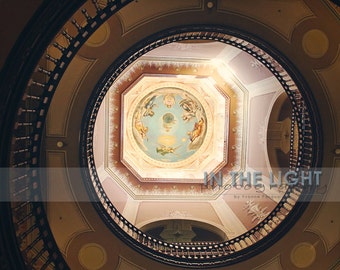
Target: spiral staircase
62, 57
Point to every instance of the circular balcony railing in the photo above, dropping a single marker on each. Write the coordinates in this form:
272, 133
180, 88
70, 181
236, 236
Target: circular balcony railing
206, 254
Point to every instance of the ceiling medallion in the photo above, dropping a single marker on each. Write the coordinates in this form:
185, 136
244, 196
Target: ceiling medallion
168, 124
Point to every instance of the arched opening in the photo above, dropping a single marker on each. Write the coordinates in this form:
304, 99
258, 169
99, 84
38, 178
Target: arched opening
184, 231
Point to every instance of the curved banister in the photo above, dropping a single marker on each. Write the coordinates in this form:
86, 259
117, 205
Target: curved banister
34, 237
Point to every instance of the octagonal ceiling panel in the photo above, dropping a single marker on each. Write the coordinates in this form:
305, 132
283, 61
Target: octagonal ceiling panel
175, 124
169, 123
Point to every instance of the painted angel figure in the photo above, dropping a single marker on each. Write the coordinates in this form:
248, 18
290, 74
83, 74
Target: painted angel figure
148, 106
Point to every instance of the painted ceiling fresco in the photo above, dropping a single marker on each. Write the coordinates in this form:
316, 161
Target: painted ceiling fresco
174, 128
169, 124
